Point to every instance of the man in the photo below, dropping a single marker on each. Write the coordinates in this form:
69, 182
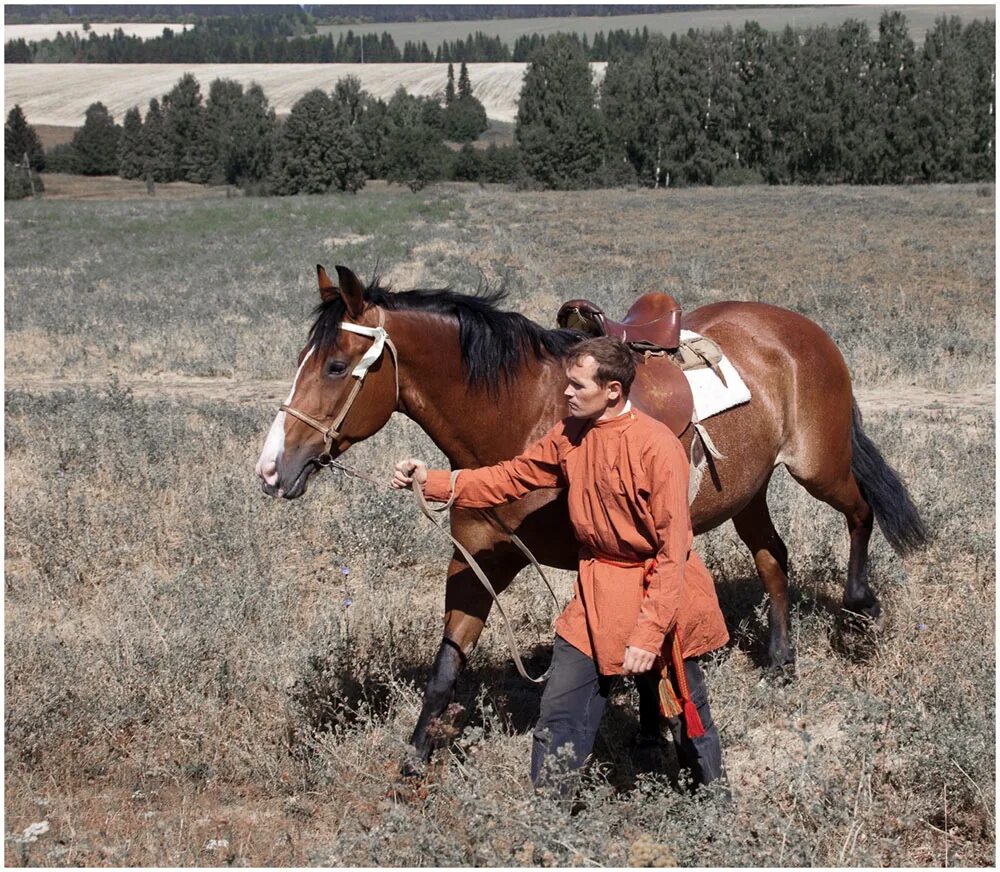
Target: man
643, 599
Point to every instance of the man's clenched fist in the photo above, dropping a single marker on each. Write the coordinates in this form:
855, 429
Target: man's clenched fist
406, 472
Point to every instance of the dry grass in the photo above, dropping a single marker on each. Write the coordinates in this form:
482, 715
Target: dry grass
192, 678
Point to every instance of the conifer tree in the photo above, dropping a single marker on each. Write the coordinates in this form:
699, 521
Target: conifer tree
558, 129
464, 85
20, 139
449, 90
157, 153
130, 163
253, 133
318, 149
186, 131
222, 108
96, 143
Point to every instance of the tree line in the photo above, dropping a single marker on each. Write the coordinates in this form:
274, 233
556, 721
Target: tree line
339, 14
832, 105
286, 40
329, 141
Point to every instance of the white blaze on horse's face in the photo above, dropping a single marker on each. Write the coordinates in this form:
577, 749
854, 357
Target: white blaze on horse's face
274, 445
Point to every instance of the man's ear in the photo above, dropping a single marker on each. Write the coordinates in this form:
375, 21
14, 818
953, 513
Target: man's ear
616, 392
352, 290
327, 289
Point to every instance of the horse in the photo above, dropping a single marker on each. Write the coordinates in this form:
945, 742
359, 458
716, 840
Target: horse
484, 383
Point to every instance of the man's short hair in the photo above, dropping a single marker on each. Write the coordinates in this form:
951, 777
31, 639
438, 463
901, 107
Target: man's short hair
615, 360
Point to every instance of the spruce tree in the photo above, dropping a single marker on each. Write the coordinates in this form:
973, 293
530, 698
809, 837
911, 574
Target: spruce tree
157, 151
185, 129
20, 139
222, 108
253, 133
558, 129
130, 162
464, 85
449, 89
96, 143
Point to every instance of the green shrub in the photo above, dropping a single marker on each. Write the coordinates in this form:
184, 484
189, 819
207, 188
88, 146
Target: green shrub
16, 185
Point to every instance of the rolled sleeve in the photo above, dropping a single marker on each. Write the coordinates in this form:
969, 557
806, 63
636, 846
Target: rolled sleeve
537, 467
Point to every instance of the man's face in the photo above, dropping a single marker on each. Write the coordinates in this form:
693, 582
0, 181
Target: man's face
584, 396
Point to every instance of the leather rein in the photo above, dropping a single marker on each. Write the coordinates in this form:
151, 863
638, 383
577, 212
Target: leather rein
331, 433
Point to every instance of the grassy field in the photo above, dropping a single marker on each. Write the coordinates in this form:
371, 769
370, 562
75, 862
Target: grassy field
920, 18
197, 675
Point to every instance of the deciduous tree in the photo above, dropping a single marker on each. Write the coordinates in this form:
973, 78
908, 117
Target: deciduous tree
559, 129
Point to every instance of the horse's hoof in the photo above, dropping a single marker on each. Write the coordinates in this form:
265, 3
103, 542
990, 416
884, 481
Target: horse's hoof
413, 768
869, 608
407, 791
862, 619
782, 664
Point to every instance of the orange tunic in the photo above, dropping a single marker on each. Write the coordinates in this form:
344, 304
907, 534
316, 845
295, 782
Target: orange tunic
627, 481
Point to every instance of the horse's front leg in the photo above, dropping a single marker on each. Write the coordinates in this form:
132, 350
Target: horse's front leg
467, 605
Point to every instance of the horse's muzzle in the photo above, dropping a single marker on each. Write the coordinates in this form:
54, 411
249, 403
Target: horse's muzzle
279, 487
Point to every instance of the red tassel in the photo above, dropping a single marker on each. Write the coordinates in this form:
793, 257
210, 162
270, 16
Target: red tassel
692, 720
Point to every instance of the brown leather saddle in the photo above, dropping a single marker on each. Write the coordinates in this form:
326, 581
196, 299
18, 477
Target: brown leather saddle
654, 319
651, 327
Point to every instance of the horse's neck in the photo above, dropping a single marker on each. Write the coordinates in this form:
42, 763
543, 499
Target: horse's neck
473, 427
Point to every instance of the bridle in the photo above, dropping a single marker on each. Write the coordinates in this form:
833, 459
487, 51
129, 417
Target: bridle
380, 341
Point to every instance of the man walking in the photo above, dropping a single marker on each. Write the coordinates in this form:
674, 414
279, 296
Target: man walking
642, 599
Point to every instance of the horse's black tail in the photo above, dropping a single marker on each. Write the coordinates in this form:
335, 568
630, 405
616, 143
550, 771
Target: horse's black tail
882, 488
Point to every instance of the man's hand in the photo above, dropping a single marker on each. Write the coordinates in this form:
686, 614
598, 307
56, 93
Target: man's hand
407, 472
638, 660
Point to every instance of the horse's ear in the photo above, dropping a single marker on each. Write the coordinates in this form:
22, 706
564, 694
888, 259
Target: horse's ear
352, 290
327, 289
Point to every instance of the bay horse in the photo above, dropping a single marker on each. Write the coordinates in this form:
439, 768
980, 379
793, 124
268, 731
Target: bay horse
484, 383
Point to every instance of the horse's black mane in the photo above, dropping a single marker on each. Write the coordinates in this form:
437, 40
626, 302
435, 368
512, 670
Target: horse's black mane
494, 343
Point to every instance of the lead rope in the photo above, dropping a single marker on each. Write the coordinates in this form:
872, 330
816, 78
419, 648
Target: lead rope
429, 513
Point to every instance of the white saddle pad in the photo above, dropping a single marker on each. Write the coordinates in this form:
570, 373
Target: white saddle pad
711, 396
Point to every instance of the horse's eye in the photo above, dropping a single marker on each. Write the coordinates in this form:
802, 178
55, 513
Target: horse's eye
336, 367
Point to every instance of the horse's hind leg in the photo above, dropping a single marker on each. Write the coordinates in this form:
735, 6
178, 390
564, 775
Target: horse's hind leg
770, 556
845, 496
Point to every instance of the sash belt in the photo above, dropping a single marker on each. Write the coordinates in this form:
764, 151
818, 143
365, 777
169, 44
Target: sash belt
673, 703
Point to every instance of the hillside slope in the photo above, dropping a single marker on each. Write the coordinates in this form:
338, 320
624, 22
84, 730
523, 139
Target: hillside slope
59, 94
